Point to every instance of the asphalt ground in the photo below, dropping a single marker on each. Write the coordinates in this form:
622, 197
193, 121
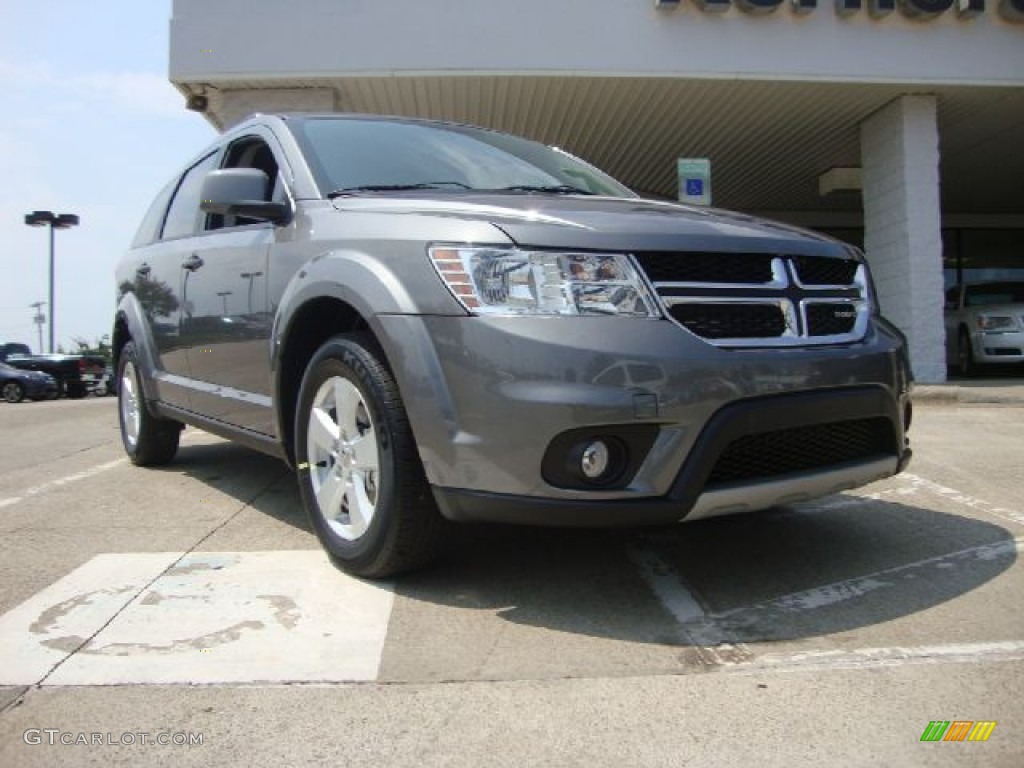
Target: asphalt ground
192, 602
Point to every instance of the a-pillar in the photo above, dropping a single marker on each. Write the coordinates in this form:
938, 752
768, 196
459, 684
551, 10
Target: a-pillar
902, 223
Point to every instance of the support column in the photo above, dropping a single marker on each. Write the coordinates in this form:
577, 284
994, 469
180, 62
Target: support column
234, 106
902, 223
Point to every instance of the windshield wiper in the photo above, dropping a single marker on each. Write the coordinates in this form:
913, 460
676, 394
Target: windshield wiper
395, 188
556, 189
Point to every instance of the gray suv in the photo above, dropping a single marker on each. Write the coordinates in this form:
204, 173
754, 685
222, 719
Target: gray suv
433, 322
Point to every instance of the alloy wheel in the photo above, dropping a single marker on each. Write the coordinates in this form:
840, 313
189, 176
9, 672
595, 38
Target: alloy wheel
344, 458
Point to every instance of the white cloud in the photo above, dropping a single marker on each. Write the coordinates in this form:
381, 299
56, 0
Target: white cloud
142, 93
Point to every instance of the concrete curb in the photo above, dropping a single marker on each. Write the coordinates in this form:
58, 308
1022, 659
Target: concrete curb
969, 394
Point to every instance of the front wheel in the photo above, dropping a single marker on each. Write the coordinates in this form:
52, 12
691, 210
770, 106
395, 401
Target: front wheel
13, 392
148, 440
360, 475
965, 355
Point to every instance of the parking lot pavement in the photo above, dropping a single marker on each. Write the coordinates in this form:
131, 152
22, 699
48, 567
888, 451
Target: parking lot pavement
194, 600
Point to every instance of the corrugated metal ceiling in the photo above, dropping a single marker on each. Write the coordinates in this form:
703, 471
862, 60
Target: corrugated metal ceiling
768, 141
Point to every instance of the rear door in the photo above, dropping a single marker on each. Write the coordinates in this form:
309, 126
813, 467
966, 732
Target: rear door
160, 282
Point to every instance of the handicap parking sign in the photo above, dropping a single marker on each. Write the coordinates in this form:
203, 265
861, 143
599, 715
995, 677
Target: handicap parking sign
694, 180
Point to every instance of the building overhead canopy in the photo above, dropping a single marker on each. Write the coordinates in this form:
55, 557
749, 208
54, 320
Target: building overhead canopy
774, 99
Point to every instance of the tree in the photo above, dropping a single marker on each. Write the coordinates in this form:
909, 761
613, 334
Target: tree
100, 348
155, 296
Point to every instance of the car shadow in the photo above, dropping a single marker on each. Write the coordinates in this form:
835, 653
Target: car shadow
772, 576
262, 482
840, 564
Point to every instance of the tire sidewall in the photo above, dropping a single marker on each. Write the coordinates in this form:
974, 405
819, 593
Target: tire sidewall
128, 356
965, 354
345, 358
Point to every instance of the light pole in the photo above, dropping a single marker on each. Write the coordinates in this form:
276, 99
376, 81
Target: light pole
39, 318
224, 297
250, 276
54, 221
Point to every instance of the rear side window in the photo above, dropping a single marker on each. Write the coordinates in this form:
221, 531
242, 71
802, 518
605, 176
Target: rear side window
183, 217
149, 229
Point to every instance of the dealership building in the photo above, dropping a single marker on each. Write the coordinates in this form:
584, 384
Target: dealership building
897, 125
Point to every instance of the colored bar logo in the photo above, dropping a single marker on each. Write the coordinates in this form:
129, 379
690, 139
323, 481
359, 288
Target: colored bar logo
958, 730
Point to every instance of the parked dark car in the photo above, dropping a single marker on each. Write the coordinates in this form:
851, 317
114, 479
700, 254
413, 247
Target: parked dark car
433, 322
17, 385
13, 348
75, 374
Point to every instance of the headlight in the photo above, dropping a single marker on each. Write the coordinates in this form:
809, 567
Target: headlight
995, 322
504, 281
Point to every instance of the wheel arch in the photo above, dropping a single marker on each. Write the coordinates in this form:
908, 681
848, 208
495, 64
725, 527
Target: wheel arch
130, 324
310, 325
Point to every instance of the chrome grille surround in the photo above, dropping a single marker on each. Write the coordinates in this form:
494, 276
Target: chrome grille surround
785, 293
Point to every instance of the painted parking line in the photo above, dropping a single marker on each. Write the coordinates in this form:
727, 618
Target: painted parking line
717, 633
781, 610
895, 656
683, 604
61, 482
917, 484
252, 617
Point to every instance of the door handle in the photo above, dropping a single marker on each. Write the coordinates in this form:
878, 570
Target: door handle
192, 263
143, 270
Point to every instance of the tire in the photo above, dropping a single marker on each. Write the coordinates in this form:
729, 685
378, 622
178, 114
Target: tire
360, 475
76, 390
148, 440
13, 392
965, 355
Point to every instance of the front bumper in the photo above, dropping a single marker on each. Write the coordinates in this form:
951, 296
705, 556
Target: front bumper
487, 397
999, 347
695, 494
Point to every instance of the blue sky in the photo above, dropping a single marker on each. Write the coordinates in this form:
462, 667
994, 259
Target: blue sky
89, 125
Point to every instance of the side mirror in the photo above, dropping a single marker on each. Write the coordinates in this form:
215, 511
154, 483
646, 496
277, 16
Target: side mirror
241, 192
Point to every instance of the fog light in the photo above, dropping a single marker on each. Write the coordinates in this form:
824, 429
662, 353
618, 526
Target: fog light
595, 459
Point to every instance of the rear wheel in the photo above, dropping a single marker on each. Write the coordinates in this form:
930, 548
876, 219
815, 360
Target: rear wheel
147, 440
13, 392
360, 475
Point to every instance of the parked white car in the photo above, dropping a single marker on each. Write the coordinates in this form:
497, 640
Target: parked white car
984, 324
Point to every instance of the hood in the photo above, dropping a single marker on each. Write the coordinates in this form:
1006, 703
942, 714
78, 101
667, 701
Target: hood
605, 223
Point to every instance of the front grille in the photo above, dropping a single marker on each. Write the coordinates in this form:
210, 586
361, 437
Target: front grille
737, 268
819, 270
830, 319
730, 321
761, 299
801, 449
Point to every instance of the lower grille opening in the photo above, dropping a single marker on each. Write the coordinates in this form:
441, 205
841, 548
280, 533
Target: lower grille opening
801, 449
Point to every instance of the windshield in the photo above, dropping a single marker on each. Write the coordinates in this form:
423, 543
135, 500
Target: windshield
365, 155
990, 294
